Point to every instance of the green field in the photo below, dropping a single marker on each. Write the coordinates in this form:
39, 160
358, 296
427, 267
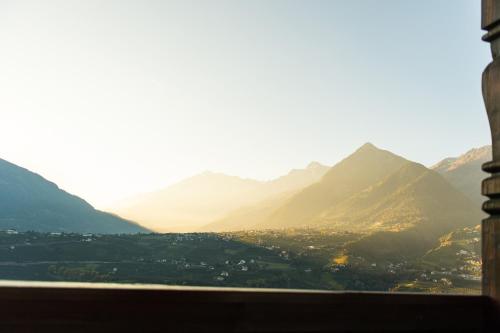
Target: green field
264, 259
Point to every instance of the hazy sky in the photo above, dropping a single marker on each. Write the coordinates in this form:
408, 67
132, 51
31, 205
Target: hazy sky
111, 98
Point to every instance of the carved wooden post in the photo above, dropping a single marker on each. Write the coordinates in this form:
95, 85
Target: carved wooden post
491, 186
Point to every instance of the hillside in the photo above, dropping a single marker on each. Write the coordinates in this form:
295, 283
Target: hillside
248, 217
370, 191
189, 203
456, 249
365, 167
464, 172
412, 197
30, 202
197, 201
404, 215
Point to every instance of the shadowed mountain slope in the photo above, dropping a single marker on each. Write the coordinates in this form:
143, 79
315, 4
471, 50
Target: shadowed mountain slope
30, 202
363, 168
412, 197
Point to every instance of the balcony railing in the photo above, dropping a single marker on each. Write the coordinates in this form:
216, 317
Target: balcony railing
74, 307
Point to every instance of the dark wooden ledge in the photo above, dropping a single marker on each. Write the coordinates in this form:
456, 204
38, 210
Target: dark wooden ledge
66, 307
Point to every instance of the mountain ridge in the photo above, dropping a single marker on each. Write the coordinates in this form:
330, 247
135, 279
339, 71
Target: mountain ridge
342, 180
201, 199
465, 173
28, 201
370, 190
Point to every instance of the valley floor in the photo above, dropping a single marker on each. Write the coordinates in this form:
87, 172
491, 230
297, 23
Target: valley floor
308, 259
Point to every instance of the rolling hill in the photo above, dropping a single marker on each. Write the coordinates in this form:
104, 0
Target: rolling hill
30, 202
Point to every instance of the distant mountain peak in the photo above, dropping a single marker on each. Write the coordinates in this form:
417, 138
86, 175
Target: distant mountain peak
209, 173
314, 165
369, 152
464, 172
480, 154
473, 155
212, 175
367, 147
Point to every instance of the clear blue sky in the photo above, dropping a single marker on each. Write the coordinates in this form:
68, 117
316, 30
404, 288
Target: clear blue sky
110, 98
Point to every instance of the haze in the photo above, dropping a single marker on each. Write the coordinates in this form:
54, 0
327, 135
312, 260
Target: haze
113, 98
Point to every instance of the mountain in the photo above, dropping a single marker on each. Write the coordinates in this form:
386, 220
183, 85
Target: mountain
276, 192
411, 197
363, 168
464, 172
30, 202
401, 208
296, 179
189, 203
204, 198
247, 217
409, 217
373, 190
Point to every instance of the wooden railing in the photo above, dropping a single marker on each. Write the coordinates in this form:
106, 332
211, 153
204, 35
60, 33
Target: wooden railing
55, 307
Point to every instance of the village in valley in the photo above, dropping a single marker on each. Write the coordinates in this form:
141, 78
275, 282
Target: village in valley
294, 258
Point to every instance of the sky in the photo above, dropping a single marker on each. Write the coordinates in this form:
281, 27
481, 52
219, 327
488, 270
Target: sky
112, 98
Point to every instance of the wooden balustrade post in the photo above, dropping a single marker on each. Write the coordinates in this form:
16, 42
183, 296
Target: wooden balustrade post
491, 185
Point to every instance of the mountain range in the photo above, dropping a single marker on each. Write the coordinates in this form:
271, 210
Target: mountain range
192, 203
370, 191
30, 202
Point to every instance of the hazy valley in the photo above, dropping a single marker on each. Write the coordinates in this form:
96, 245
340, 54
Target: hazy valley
373, 221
